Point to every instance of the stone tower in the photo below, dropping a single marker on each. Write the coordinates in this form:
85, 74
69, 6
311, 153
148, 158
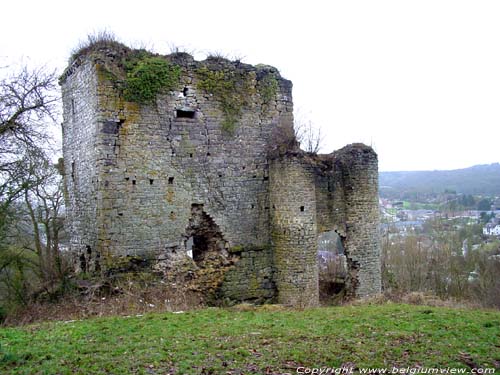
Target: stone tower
180, 165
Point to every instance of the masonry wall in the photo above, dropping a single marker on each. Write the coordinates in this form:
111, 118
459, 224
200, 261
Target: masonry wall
151, 166
146, 181
294, 231
359, 167
80, 107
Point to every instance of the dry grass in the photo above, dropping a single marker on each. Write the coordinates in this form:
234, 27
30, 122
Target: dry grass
414, 298
131, 297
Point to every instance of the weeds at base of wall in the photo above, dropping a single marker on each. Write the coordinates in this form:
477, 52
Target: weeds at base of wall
130, 294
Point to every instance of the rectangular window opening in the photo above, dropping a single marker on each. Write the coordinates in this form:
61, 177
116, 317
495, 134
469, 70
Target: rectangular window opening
170, 180
185, 113
301, 208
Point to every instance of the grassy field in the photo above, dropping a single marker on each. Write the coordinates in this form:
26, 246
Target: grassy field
266, 340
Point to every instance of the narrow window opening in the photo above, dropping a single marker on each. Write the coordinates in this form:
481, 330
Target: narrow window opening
244, 168
133, 182
266, 178
185, 113
253, 205
151, 181
254, 176
185, 91
127, 178
190, 155
73, 106
208, 153
220, 175
73, 171
170, 180
120, 213
301, 208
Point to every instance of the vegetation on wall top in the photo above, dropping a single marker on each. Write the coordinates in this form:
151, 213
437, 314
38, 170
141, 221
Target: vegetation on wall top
231, 88
138, 73
141, 75
147, 76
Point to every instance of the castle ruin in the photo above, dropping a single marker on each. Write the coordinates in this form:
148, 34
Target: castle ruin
202, 177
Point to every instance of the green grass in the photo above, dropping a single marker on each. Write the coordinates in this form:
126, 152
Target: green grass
407, 205
223, 341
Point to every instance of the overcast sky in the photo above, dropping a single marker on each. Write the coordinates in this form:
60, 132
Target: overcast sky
417, 80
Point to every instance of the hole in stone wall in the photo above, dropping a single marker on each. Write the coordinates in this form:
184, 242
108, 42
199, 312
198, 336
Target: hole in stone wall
189, 247
332, 267
83, 263
253, 205
185, 91
73, 170
208, 153
266, 178
207, 241
97, 261
133, 182
185, 113
127, 178
151, 181
190, 155
301, 208
170, 180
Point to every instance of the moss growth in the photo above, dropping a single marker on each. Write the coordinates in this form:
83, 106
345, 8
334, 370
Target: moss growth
147, 76
268, 87
232, 88
236, 249
138, 74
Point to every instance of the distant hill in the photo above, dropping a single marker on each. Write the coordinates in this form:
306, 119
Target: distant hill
477, 180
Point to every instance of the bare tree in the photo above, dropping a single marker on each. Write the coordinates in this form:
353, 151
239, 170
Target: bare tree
308, 135
28, 106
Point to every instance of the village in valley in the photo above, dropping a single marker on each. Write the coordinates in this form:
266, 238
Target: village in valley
453, 238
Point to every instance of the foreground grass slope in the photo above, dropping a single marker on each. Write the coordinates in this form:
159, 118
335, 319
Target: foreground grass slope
263, 341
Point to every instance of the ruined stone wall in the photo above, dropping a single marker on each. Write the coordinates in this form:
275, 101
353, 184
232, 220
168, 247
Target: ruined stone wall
294, 230
359, 167
151, 165
165, 180
80, 106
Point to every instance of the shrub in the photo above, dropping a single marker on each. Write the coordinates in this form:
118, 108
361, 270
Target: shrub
147, 76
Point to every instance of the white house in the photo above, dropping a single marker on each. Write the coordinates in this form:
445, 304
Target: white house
491, 229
